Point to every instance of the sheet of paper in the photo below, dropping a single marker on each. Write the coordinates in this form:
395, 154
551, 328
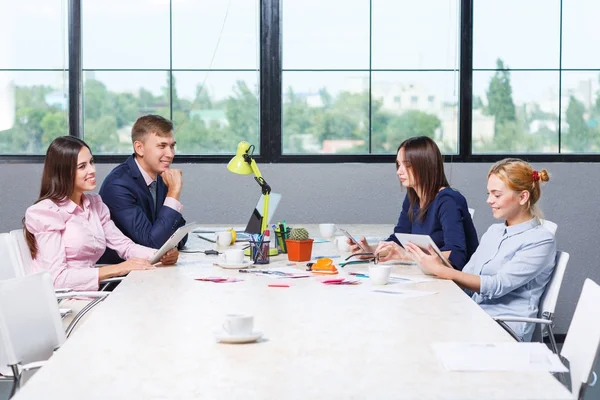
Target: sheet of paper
511, 356
289, 272
396, 278
405, 294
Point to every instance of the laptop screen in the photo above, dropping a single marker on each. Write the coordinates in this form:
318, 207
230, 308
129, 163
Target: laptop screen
254, 223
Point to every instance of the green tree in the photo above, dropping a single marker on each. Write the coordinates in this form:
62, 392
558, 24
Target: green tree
409, 124
579, 136
499, 96
242, 114
101, 134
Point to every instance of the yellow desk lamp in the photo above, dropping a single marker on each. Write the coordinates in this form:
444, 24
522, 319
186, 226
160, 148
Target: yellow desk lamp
243, 163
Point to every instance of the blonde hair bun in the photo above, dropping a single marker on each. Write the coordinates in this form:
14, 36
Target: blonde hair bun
544, 176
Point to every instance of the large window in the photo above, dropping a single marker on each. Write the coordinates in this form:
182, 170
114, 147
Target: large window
195, 62
33, 75
360, 76
306, 81
534, 93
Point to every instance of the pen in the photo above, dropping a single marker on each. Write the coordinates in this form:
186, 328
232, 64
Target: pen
359, 275
283, 235
317, 257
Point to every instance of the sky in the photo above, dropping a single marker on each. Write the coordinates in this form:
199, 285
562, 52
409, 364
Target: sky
317, 34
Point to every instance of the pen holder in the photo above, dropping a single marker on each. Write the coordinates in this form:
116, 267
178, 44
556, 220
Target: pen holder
281, 245
259, 252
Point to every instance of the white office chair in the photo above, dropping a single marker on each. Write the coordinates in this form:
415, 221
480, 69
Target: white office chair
31, 332
10, 266
583, 339
547, 303
11, 251
551, 226
24, 256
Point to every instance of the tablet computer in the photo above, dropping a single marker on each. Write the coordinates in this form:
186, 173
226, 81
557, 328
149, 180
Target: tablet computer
423, 241
173, 241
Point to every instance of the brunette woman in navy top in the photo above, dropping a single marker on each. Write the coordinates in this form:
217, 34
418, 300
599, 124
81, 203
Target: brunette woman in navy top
430, 207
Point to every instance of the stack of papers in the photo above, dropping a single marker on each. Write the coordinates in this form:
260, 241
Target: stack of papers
515, 357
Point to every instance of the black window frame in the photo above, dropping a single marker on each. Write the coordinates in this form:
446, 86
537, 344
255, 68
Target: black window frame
271, 97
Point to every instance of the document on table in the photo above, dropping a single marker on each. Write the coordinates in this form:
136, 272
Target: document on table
409, 278
519, 357
405, 294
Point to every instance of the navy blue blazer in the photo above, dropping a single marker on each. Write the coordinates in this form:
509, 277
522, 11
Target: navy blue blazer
447, 221
132, 208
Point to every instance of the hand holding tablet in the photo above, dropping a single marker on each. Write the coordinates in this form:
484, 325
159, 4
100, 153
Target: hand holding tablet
424, 242
173, 241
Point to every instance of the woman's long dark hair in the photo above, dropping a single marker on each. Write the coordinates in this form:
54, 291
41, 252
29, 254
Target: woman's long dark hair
58, 178
426, 163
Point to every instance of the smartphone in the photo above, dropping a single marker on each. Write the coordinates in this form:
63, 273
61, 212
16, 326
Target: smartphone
349, 236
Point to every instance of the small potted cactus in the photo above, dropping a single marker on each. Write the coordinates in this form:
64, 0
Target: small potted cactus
299, 245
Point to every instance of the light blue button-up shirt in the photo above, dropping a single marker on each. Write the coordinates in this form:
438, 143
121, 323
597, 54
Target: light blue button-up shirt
514, 263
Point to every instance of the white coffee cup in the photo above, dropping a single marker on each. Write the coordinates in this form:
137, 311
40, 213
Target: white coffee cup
379, 274
233, 256
238, 324
327, 230
224, 238
342, 243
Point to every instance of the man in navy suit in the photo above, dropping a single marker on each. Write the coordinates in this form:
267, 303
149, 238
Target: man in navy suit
143, 193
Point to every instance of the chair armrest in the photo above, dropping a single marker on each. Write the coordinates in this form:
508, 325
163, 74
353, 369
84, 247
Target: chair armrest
94, 295
64, 312
508, 330
33, 365
66, 290
523, 319
84, 311
115, 279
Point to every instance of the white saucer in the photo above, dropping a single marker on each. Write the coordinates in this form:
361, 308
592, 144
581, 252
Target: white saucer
242, 265
225, 337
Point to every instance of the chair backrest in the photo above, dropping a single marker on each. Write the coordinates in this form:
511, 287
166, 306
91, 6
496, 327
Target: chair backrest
550, 297
24, 256
10, 265
30, 324
583, 338
551, 226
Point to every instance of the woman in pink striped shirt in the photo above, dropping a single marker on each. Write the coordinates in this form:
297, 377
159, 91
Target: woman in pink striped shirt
67, 231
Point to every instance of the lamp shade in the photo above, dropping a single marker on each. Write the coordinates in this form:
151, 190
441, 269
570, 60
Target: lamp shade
238, 163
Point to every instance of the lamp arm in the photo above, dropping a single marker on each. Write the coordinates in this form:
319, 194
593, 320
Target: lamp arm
266, 190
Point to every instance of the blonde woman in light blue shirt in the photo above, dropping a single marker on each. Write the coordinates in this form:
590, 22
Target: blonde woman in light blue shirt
510, 269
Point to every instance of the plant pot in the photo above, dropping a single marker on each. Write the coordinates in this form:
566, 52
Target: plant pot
299, 250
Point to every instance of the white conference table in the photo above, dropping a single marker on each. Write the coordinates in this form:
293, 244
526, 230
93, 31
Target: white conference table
153, 338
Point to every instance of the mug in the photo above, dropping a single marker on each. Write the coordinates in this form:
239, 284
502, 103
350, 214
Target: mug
342, 243
233, 256
238, 324
224, 238
327, 230
379, 274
